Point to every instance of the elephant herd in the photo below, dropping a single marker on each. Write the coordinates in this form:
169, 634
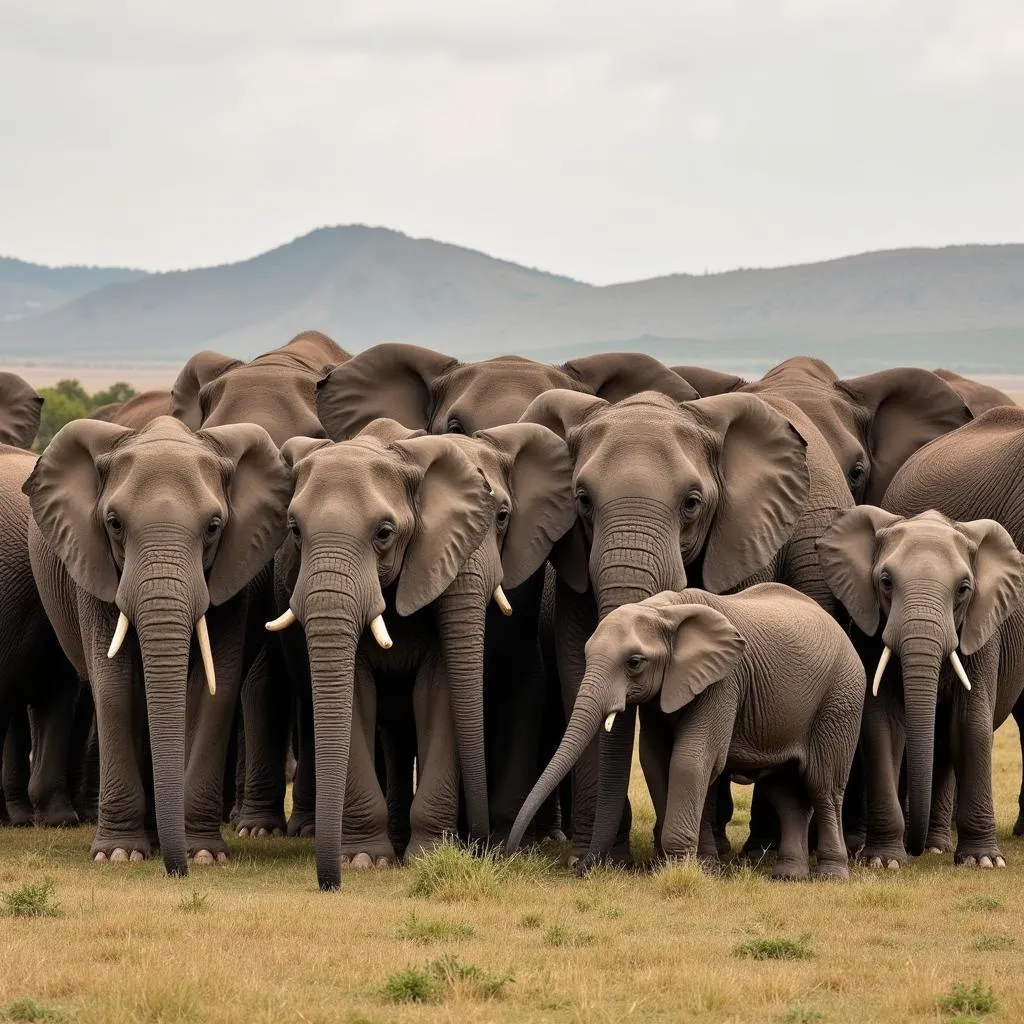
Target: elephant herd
436, 595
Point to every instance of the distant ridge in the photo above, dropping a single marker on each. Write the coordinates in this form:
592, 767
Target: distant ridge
960, 306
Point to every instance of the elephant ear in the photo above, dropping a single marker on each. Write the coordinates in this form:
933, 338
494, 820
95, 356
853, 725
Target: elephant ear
202, 368
617, 375
710, 382
846, 553
387, 431
540, 483
907, 407
295, 449
762, 467
454, 511
562, 410
979, 397
63, 492
705, 647
388, 380
20, 411
258, 492
998, 582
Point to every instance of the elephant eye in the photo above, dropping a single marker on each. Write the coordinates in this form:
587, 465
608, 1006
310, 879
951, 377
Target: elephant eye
502, 516
634, 663
294, 527
383, 536
885, 582
856, 474
583, 501
964, 588
692, 504
114, 524
213, 527
453, 426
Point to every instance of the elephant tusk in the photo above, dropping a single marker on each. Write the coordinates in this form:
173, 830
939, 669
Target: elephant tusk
120, 632
502, 601
958, 668
380, 633
882, 662
610, 721
283, 621
203, 636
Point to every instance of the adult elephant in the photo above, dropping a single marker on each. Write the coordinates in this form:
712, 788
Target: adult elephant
138, 541
427, 390
276, 390
718, 492
34, 674
137, 411
979, 397
20, 410
936, 587
873, 423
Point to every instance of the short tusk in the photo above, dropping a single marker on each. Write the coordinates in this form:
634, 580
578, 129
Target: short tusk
610, 721
882, 662
283, 621
120, 632
203, 636
958, 668
380, 633
502, 601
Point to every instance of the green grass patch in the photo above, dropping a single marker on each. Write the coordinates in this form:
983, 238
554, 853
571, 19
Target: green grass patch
426, 930
444, 977
451, 872
196, 902
775, 948
993, 943
982, 901
963, 999
28, 1011
801, 1013
409, 985
34, 899
558, 935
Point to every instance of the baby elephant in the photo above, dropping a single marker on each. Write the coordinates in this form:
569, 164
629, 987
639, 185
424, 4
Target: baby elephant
763, 684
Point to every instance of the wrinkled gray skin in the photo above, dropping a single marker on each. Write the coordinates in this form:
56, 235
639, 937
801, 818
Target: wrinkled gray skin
427, 390
165, 526
34, 674
928, 587
763, 683
276, 390
137, 411
718, 490
20, 409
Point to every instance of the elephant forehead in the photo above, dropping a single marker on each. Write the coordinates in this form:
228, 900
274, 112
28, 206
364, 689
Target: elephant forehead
634, 438
354, 469
630, 626
184, 468
491, 394
928, 542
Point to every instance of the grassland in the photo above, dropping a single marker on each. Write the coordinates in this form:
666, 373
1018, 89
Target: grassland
255, 941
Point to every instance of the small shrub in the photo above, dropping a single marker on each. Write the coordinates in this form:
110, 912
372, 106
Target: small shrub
530, 921
451, 872
799, 1013
409, 986
195, 903
980, 902
779, 948
28, 1011
962, 999
584, 904
613, 913
35, 899
993, 943
477, 983
681, 880
559, 935
418, 929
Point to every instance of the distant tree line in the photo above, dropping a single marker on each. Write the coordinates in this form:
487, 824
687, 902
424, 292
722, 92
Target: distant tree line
67, 400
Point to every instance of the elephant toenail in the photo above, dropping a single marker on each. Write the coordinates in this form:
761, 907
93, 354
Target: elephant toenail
969, 862
262, 833
985, 862
222, 857
101, 856
362, 861
136, 856
1000, 862
119, 856
893, 865
383, 862
344, 860
875, 862
243, 833
203, 857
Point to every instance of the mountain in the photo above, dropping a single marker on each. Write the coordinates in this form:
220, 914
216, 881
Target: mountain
27, 289
961, 307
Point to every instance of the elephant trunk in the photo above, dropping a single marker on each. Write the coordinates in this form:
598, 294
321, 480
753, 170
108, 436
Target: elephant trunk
613, 781
462, 613
920, 660
584, 723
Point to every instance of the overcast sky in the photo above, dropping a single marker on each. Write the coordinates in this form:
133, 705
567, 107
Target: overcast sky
605, 140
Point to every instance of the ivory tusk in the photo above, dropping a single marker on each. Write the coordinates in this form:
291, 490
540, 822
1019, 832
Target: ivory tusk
380, 633
120, 632
203, 636
283, 621
610, 721
502, 601
958, 668
882, 662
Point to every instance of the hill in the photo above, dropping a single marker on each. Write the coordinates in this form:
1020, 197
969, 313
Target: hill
961, 306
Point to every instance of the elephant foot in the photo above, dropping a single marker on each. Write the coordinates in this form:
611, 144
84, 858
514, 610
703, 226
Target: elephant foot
1018, 825
791, 869
57, 816
20, 815
121, 850
979, 857
722, 844
756, 848
206, 847
891, 856
832, 869
552, 834
259, 822
208, 857
365, 861
302, 824
259, 832
854, 843
939, 842
891, 863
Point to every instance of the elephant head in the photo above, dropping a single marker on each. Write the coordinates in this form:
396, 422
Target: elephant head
425, 390
873, 424
939, 586
20, 410
164, 523
276, 390
382, 513
669, 648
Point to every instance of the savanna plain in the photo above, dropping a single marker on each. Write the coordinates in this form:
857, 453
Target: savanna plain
453, 938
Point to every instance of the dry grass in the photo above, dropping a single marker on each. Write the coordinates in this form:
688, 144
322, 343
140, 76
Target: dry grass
255, 941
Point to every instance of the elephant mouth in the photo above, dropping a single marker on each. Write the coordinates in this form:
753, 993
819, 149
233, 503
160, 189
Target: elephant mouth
202, 638
883, 661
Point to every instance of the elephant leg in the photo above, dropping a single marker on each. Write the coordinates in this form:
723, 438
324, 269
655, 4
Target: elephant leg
1018, 716
855, 809
765, 828
365, 839
707, 844
972, 762
656, 741
940, 819
881, 744
435, 807
16, 768
824, 783
396, 746
722, 815
53, 721
84, 757
787, 795
302, 820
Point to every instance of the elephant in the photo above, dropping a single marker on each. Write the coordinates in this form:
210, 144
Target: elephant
727, 491
872, 423
936, 586
276, 390
137, 411
428, 390
978, 397
20, 410
34, 674
763, 683
140, 540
